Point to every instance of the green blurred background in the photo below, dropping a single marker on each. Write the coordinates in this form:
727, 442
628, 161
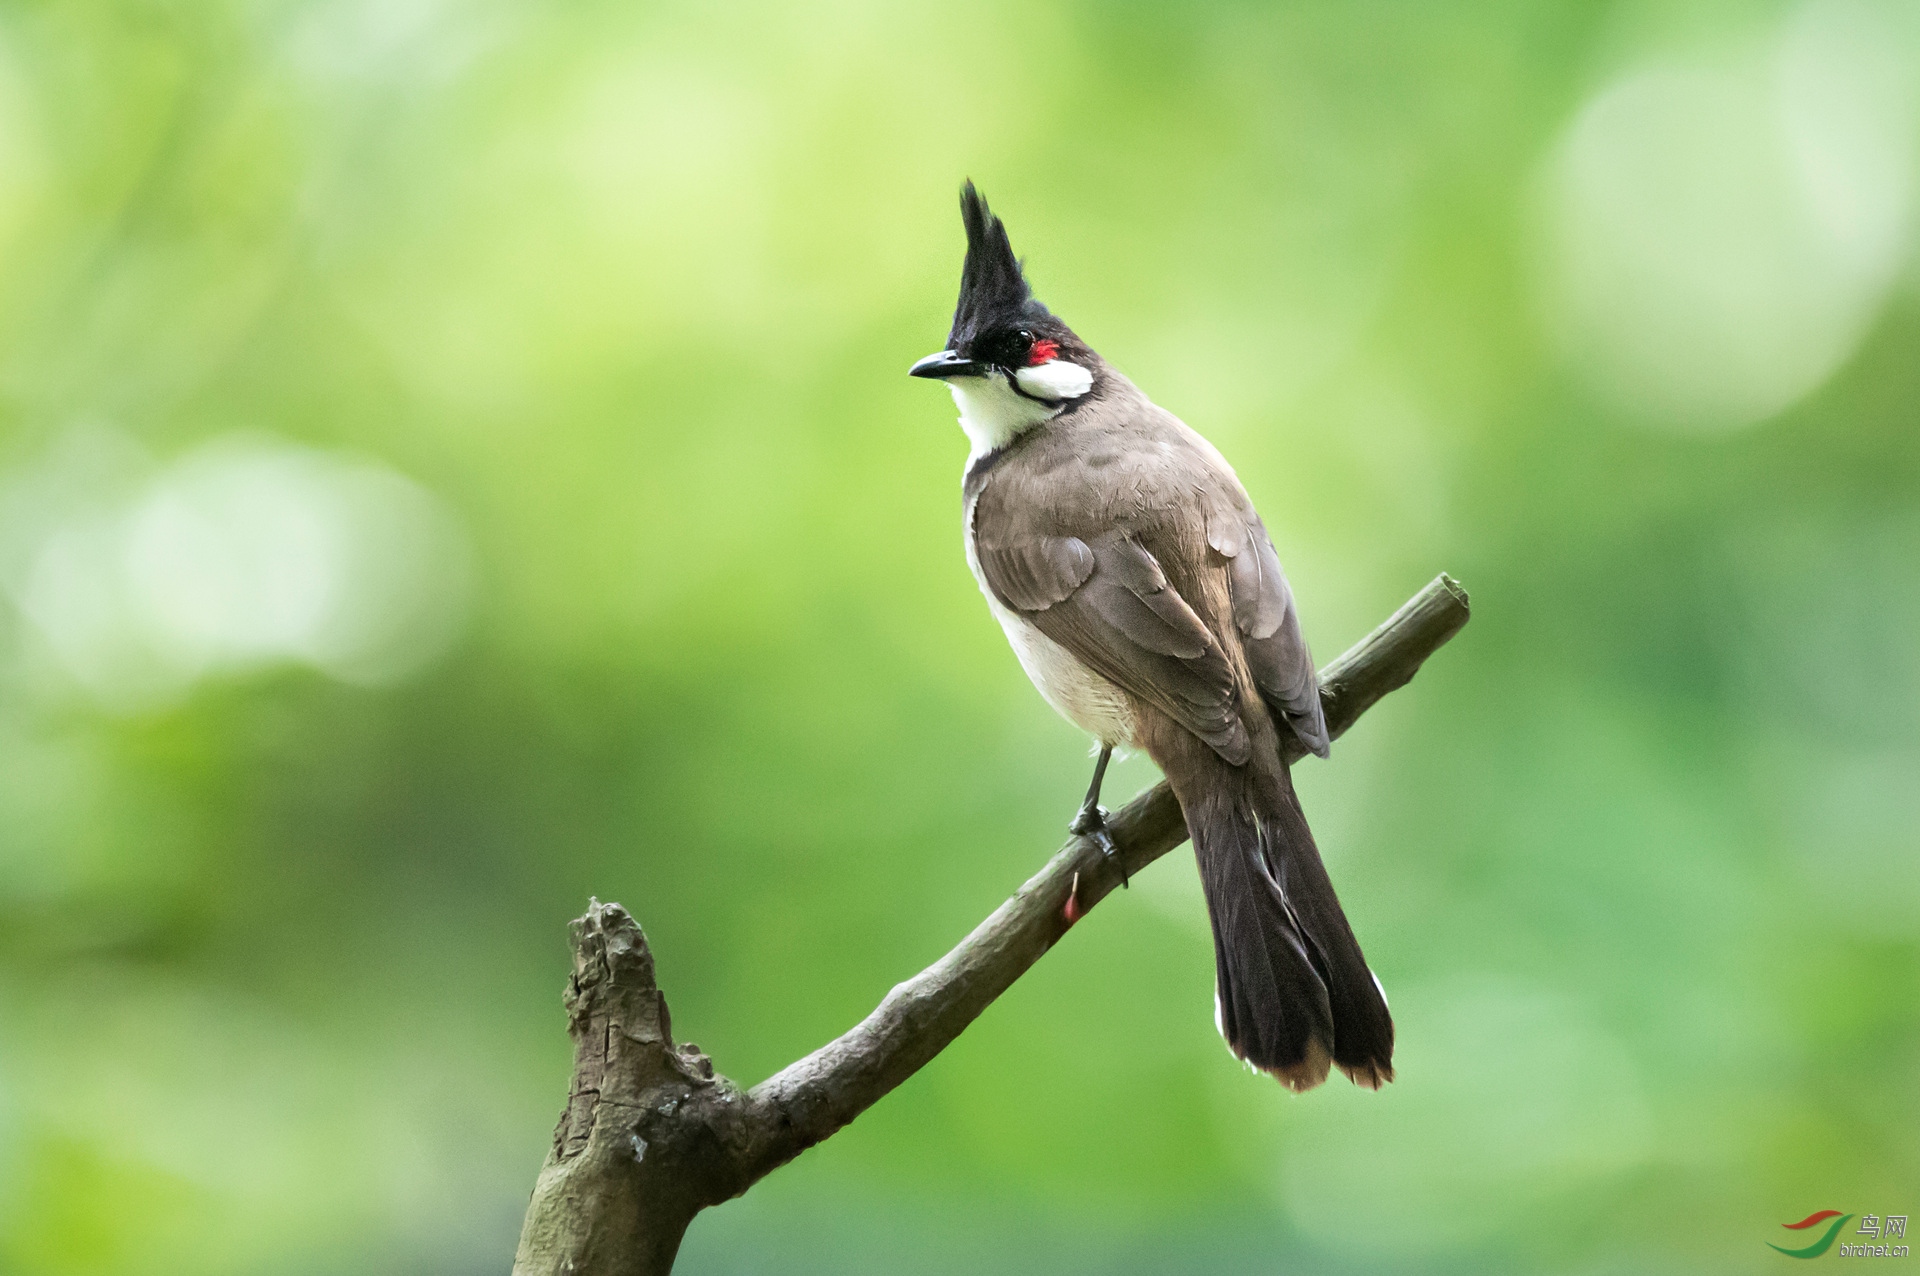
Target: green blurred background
458, 458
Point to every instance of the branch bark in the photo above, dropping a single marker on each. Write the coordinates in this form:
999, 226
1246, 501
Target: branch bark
652, 1134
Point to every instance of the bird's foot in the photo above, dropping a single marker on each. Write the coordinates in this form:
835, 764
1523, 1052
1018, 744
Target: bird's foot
1091, 823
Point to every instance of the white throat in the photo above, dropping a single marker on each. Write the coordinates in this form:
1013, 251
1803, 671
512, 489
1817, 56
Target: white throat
994, 415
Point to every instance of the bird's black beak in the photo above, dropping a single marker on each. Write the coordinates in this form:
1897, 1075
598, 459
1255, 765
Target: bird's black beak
946, 364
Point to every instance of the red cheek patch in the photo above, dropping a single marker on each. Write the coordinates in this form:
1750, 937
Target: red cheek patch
1042, 351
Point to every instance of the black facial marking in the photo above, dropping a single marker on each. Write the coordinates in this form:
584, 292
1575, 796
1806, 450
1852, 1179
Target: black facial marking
1004, 347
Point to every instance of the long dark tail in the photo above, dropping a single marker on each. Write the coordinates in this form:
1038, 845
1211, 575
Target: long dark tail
1292, 991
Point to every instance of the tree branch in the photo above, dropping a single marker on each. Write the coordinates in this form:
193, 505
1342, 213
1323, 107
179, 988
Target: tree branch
652, 1135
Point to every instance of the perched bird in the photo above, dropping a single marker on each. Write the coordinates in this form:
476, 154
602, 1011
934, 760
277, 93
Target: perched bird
1143, 596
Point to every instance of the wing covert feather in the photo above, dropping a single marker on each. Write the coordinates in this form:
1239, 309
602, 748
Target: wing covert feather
1110, 604
1036, 572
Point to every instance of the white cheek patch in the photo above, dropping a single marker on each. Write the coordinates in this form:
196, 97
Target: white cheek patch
1055, 379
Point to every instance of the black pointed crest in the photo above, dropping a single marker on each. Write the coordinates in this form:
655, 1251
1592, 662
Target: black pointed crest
992, 287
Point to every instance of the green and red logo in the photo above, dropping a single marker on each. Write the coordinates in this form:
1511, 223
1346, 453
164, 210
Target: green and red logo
1880, 1233
1825, 1242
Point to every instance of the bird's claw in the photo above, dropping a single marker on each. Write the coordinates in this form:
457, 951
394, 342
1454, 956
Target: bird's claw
1091, 823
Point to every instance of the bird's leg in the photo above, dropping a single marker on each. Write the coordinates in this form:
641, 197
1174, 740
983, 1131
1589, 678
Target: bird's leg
1091, 822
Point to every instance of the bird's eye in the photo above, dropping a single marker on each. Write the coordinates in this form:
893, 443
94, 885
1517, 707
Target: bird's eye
1024, 337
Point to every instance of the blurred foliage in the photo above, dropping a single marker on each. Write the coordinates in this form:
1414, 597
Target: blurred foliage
587, 325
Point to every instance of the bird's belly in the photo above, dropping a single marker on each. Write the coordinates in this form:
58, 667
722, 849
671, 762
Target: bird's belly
1076, 692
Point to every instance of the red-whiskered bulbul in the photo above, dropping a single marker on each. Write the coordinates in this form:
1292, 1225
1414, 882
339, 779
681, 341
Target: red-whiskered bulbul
1143, 596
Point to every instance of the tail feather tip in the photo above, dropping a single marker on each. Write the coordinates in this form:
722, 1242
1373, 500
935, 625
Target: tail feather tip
1303, 1074
1371, 1075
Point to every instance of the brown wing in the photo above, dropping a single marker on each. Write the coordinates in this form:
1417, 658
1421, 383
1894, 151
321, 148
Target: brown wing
1108, 602
1269, 625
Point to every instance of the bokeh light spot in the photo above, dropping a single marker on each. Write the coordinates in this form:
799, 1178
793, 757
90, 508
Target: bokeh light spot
248, 551
1720, 233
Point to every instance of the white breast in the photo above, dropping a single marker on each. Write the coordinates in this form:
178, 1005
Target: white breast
1076, 692
992, 414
